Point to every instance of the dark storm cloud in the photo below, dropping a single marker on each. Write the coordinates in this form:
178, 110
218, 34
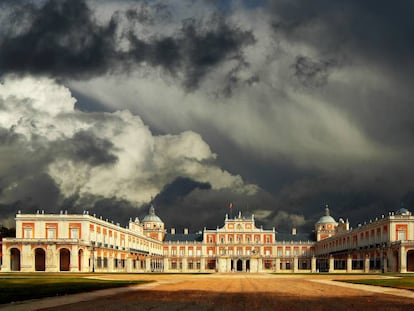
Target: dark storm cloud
86, 147
379, 31
179, 188
59, 38
311, 73
64, 40
195, 50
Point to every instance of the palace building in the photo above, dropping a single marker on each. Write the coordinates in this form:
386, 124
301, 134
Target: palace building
85, 243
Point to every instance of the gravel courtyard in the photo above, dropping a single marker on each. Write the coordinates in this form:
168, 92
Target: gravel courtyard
233, 292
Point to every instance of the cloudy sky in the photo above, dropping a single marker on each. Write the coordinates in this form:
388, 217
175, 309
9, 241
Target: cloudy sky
277, 106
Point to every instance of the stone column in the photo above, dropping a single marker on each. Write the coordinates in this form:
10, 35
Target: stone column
185, 266
129, 264
366, 264
111, 262
277, 265
166, 266
74, 264
385, 265
349, 264
148, 264
331, 264
403, 260
295, 264
260, 265
5, 267
313, 264
26, 259
203, 264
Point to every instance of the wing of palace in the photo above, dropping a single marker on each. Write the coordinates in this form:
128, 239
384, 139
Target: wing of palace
85, 243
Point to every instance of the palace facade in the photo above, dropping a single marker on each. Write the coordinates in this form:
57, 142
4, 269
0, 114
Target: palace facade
85, 243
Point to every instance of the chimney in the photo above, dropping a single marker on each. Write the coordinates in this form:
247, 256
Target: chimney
293, 231
185, 230
172, 230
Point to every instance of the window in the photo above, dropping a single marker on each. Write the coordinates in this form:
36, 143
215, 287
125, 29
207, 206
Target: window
267, 239
28, 232
190, 252
401, 235
74, 233
279, 253
51, 233
199, 252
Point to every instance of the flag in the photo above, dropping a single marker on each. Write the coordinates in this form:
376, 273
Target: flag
231, 205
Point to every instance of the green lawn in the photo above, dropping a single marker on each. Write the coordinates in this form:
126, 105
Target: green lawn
23, 288
400, 282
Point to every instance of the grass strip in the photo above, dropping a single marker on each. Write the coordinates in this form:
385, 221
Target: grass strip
401, 282
18, 289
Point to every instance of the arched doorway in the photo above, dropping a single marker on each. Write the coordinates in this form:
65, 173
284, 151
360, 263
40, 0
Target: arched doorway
40, 259
248, 265
64, 259
239, 265
14, 259
410, 260
80, 257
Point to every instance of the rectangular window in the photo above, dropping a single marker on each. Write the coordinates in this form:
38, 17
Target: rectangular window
51, 233
74, 233
402, 235
28, 232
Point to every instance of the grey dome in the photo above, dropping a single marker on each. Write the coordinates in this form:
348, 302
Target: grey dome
403, 211
326, 218
151, 217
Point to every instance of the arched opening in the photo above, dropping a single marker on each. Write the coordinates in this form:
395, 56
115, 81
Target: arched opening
80, 257
410, 260
248, 265
239, 265
14, 259
40, 259
64, 257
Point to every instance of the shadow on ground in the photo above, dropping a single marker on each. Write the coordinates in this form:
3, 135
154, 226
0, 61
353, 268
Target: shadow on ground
205, 300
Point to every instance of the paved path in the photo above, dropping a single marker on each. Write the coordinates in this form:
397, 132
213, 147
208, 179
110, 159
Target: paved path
231, 292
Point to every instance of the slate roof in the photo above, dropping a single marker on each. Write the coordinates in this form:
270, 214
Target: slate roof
181, 237
282, 236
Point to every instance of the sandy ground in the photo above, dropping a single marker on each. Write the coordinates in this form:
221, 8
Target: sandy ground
232, 292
